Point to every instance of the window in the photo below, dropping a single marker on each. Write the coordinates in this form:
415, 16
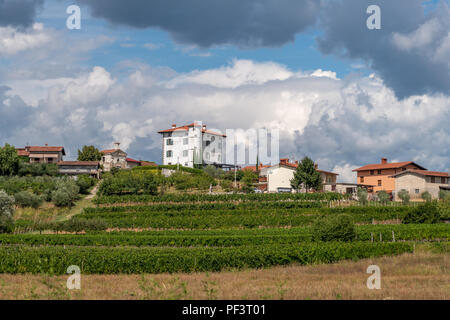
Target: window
403, 169
371, 172
417, 191
185, 141
208, 143
169, 153
379, 183
379, 171
185, 153
442, 180
103, 159
432, 180
169, 142
361, 179
50, 160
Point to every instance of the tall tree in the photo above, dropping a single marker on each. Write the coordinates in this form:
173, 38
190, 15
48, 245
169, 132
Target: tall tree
9, 160
306, 175
89, 153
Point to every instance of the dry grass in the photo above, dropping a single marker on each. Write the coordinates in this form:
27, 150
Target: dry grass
423, 275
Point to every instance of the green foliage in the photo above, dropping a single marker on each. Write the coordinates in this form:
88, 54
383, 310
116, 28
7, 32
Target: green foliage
72, 225
226, 185
248, 181
38, 169
444, 194
404, 196
54, 259
89, 153
6, 212
424, 213
334, 228
307, 176
383, 197
28, 199
229, 175
9, 160
128, 183
362, 196
213, 172
426, 196
85, 181
66, 193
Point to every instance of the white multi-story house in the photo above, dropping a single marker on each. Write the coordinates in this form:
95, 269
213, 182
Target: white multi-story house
192, 144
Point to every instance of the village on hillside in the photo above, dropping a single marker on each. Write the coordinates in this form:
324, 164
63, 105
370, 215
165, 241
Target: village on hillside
181, 143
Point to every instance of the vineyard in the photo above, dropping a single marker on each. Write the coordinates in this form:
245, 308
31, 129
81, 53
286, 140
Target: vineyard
199, 232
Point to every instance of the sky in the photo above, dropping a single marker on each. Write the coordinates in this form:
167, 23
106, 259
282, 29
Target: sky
337, 91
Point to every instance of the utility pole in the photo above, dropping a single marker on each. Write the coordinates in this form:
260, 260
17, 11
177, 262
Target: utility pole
235, 183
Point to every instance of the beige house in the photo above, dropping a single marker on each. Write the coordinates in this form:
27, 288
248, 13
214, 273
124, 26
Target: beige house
45, 154
278, 178
418, 181
116, 158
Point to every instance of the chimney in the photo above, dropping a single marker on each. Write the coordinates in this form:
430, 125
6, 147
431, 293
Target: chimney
384, 160
46, 144
174, 126
204, 126
116, 145
296, 161
316, 166
284, 161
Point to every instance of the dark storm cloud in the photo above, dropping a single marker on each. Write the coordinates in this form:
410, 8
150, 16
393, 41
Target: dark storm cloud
249, 23
412, 70
18, 12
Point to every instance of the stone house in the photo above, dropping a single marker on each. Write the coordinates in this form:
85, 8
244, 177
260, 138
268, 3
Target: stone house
418, 181
116, 158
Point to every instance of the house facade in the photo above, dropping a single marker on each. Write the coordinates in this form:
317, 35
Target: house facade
380, 175
278, 178
74, 168
418, 181
192, 144
42, 154
116, 158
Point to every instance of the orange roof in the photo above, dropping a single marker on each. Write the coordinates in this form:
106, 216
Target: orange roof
148, 163
253, 168
78, 163
392, 165
132, 160
424, 173
186, 127
22, 152
107, 151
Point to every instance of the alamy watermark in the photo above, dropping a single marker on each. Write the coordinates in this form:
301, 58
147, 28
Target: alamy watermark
373, 22
74, 281
74, 20
374, 281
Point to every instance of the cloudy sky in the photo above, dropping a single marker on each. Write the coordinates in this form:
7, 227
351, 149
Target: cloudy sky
338, 92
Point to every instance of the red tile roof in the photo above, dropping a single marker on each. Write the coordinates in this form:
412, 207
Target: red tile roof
132, 160
392, 165
78, 163
22, 152
295, 165
148, 163
108, 151
253, 168
186, 127
32, 149
424, 173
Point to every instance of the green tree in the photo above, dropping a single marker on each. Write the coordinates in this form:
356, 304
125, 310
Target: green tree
249, 178
89, 153
424, 213
6, 212
362, 195
306, 175
9, 160
426, 196
404, 196
383, 197
334, 228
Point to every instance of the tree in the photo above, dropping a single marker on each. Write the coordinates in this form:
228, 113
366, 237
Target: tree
426, 196
424, 213
404, 196
249, 179
383, 197
6, 212
306, 175
9, 160
334, 228
89, 153
362, 195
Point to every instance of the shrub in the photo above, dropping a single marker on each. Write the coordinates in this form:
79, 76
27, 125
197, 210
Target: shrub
444, 194
6, 212
426, 196
362, 196
383, 197
226, 185
425, 213
85, 182
66, 193
404, 196
334, 228
28, 199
